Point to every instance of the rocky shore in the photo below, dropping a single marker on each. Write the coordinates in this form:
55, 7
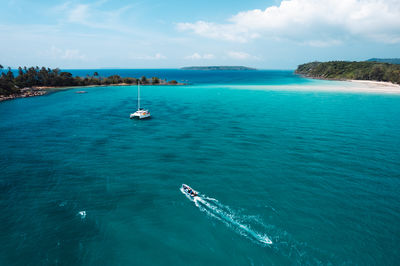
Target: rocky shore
24, 93
42, 90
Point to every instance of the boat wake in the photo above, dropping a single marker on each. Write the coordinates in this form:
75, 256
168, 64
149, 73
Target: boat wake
215, 209
252, 227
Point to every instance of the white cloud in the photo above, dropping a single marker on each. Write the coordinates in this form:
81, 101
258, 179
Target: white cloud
157, 56
92, 15
66, 54
241, 55
193, 56
79, 14
322, 43
320, 22
238, 55
73, 54
197, 56
216, 31
208, 56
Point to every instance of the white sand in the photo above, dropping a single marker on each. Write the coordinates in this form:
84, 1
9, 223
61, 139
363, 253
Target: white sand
351, 86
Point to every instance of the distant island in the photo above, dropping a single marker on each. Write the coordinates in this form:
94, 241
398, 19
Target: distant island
217, 68
35, 81
344, 70
385, 60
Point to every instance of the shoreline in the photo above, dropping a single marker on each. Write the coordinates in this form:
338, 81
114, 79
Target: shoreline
28, 93
367, 86
374, 82
43, 90
344, 86
339, 86
350, 80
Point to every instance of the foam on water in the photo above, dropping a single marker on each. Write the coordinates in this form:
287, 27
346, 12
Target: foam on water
82, 214
215, 209
283, 243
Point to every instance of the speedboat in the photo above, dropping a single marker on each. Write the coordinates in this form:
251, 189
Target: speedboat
189, 191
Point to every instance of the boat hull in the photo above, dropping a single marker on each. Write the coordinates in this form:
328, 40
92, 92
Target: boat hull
185, 189
140, 114
140, 117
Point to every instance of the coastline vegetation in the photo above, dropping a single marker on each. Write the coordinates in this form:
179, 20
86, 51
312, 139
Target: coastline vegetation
29, 81
344, 70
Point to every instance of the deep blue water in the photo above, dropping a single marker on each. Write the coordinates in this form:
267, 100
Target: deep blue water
317, 173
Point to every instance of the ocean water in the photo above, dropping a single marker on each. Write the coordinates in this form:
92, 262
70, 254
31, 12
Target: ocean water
284, 177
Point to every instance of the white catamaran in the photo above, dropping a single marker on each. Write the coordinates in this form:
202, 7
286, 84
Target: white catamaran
140, 113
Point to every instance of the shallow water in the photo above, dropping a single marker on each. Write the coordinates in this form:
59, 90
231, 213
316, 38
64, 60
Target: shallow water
316, 173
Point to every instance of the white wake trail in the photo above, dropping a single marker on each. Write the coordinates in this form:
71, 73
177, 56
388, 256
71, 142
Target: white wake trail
215, 209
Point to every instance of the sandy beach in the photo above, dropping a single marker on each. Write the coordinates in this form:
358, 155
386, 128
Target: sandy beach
378, 85
350, 86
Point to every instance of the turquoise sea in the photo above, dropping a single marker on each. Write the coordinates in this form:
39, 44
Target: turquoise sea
316, 173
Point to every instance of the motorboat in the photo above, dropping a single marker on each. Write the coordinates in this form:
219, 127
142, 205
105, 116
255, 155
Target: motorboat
189, 191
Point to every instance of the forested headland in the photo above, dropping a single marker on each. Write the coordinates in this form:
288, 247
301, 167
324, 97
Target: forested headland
344, 70
30, 81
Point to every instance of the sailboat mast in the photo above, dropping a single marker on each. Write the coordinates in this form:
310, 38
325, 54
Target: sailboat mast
138, 93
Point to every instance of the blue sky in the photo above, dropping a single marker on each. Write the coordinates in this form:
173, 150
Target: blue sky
268, 34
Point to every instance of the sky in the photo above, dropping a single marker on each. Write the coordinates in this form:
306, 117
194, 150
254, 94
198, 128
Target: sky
266, 34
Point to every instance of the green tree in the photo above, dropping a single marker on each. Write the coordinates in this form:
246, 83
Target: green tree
376, 73
10, 75
144, 80
35, 76
351, 70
